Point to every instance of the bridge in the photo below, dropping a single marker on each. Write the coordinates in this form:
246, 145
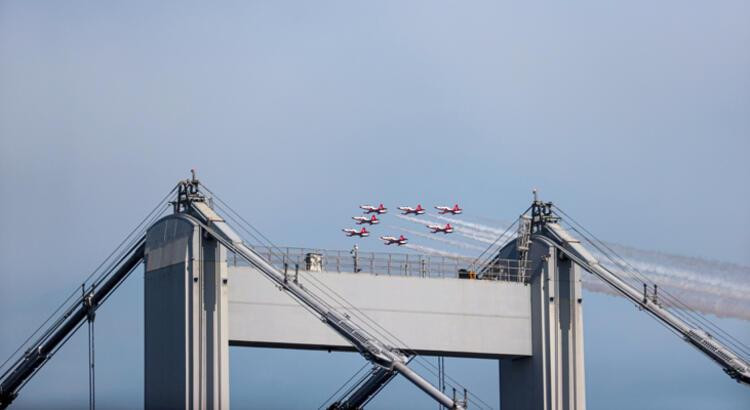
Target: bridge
212, 280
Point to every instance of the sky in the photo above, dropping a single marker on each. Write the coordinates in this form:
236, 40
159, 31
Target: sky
634, 117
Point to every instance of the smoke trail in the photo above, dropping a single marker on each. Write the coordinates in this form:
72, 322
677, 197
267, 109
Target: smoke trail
715, 287
479, 230
668, 265
440, 239
468, 233
494, 232
419, 221
696, 295
474, 236
433, 251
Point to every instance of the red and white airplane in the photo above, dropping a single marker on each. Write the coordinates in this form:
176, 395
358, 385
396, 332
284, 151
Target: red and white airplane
365, 220
353, 232
444, 209
444, 229
391, 240
374, 209
409, 210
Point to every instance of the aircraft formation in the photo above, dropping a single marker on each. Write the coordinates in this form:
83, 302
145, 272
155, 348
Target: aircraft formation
370, 217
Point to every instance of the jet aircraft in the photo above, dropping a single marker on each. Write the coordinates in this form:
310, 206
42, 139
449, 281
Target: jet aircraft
365, 220
409, 210
353, 232
374, 209
445, 209
392, 240
444, 229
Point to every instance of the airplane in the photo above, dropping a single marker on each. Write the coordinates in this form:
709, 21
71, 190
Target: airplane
409, 210
365, 220
353, 232
390, 240
444, 209
374, 209
444, 229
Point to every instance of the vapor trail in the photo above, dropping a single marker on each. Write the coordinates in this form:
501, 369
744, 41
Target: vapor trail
433, 251
468, 233
460, 244
719, 288
494, 232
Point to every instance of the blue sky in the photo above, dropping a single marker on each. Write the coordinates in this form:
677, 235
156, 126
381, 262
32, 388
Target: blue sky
634, 117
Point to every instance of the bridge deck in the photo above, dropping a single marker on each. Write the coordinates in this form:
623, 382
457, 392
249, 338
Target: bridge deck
446, 316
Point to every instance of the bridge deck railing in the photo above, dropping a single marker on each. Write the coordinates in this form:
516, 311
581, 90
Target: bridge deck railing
382, 263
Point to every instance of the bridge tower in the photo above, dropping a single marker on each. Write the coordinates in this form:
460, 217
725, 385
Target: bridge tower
186, 315
553, 377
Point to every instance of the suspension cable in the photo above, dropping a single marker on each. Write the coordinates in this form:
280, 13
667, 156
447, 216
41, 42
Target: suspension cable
345, 303
71, 302
364, 366
366, 322
683, 310
697, 318
498, 239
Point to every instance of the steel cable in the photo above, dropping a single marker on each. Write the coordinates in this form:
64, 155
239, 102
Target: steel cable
72, 305
281, 254
697, 318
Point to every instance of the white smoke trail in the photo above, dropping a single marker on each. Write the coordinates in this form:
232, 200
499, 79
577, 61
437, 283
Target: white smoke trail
468, 233
479, 230
719, 288
474, 236
440, 239
433, 251
420, 221
494, 232
695, 295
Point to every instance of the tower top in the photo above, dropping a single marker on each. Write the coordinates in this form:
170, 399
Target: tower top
188, 190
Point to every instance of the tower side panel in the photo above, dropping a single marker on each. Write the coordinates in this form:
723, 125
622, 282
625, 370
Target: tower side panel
571, 340
166, 358
186, 309
215, 312
553, 377
167, 284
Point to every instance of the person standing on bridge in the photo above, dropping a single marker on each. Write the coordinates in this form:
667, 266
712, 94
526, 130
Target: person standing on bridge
355, 257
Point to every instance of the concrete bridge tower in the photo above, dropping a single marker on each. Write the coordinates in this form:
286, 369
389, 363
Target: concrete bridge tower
553, 376
533, 326
186, 317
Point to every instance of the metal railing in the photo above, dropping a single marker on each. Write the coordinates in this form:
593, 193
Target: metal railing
512, 270
382, 263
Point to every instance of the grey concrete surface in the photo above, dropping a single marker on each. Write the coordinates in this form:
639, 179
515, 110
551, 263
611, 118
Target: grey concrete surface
451, 317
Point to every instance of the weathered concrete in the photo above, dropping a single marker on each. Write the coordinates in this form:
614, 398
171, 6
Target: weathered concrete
196, 307
553, 377
186, 318
450, 317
